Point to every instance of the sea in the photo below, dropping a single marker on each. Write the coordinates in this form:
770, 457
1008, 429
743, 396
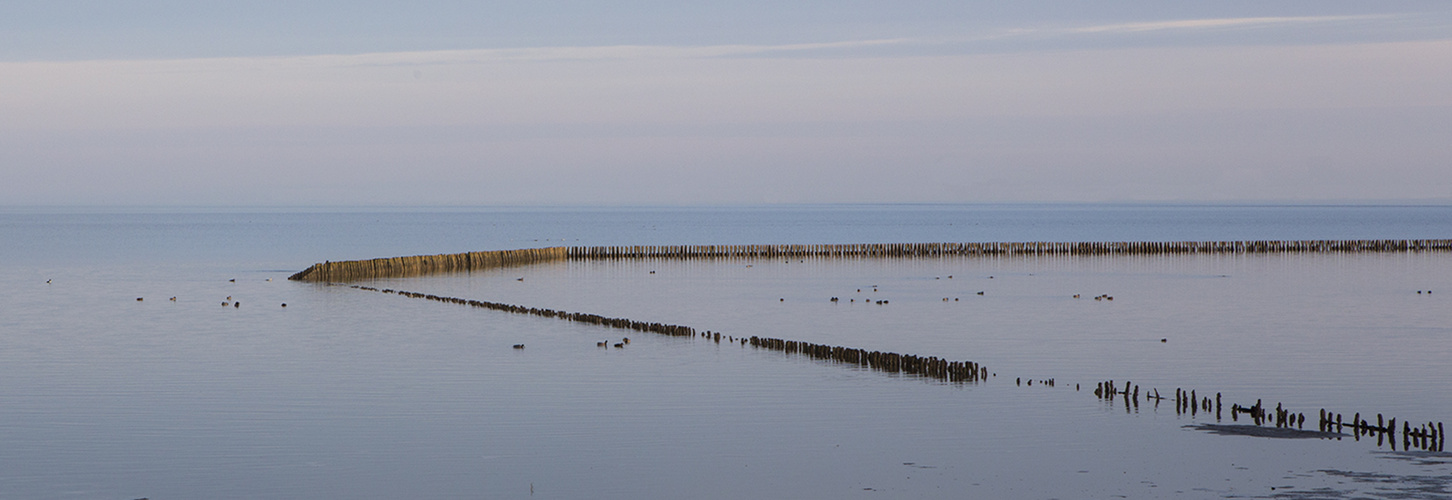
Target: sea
162, 353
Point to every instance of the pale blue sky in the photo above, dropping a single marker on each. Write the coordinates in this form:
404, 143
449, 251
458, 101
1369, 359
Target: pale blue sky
465, 103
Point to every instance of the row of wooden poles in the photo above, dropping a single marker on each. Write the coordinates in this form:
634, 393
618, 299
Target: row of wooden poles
1425, 437
594, 319
1429, 436
1002, 248
418, 265
929, 367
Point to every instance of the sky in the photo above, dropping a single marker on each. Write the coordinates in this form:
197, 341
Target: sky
449, 103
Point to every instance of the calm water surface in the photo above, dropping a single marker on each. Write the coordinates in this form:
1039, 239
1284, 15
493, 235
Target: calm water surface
353, 394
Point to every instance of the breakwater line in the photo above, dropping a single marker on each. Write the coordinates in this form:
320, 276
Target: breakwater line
923, 366
1287, 423
1002, 248
1429, 436
419, 265
1284, 422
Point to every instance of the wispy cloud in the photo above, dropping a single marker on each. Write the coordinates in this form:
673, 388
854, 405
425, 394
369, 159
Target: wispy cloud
901, 45
624, 52
1200, 24
595, 53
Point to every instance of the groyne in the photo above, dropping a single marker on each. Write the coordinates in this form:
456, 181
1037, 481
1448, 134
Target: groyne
419, 265
1428, 436
1001, 248
594, 319
928, 367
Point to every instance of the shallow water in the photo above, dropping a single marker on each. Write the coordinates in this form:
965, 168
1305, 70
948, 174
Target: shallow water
348, 393
1337, 330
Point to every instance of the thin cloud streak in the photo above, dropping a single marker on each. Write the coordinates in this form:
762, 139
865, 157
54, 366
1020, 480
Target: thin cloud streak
680, 52
425, 88
637, 52
1202, 24
599, 53
512, 55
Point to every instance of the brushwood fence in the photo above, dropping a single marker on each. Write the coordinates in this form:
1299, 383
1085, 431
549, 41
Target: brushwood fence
1001, 248
398, 267
419, 265
1428, 436
923, 366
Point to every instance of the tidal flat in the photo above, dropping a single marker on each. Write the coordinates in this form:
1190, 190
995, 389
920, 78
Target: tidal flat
349, 392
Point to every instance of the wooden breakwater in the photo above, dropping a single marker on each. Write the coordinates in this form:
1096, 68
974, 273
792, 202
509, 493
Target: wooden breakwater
1425, 437
1430, 436
594, 319
928, 367
419, 265
1001, 248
